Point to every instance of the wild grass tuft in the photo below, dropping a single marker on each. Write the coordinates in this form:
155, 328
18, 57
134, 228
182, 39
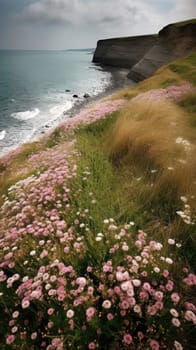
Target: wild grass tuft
153, 145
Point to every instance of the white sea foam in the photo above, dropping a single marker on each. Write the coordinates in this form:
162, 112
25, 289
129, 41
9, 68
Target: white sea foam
26, 115
57, 111
2, 134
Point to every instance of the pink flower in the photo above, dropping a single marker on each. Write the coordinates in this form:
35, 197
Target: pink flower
34, 335
56, 342
123, 313
90, 312
110, 316
127, 338
159, 305
146, 286
165, 273
158, 295
89, 269
169, 286
10, 339
50, 311
190, 316
91, 345
188, 306
66, 250
124, 305
140, 335
177, 345
175, 298
154, 344
175, 322
25, 303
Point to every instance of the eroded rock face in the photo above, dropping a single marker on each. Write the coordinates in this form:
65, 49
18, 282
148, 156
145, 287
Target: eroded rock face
123, 52
174, 41
145, 54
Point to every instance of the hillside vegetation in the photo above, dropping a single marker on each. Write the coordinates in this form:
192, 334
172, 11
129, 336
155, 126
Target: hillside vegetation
97, 225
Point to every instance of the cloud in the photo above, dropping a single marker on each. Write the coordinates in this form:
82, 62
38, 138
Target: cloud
80, 23
183, 9
89, 11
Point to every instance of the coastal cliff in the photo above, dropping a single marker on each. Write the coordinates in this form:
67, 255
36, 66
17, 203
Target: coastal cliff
123, 52
145, 54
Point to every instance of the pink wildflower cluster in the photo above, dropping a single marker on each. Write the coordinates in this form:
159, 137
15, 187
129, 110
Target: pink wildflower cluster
92, 114
131, 284
66, 283
173, 92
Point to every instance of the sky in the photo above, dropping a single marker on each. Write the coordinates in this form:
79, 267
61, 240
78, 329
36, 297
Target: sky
66, 24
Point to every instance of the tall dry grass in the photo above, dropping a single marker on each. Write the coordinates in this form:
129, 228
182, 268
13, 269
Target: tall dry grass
155, 138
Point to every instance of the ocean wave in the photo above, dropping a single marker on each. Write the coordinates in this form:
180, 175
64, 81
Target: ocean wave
26, 115
2, 134
57, 111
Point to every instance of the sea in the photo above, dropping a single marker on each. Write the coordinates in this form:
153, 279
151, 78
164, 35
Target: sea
37, 89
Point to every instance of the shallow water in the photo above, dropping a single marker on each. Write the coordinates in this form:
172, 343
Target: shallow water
37, 88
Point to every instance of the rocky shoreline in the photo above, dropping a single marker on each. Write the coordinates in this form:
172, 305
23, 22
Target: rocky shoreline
119, 80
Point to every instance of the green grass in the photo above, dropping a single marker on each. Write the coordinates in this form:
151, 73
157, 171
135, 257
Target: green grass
188, 104
186, 68
184, 23
168, 82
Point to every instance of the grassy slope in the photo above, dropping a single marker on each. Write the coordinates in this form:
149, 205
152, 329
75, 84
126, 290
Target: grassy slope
134, 168
142, 139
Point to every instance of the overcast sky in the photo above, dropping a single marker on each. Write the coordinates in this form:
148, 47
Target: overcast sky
63, 24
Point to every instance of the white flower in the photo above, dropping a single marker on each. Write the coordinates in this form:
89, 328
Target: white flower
136, 282
132, 223
137, 309
190, 316
156, 269
171, 241
174, 312
70, 313
169, 261
14, 329
81, 281
183, 199
107, 304
25, 278
176, 322
100, 234
15, 314
33, 252
177, 345
25, 304
125, 247
98, 239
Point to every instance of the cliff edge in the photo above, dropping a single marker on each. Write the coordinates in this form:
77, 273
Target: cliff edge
145, 54
123, 52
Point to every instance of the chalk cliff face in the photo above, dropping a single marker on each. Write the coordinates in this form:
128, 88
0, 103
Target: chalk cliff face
145, 54
173, 42
123, 52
